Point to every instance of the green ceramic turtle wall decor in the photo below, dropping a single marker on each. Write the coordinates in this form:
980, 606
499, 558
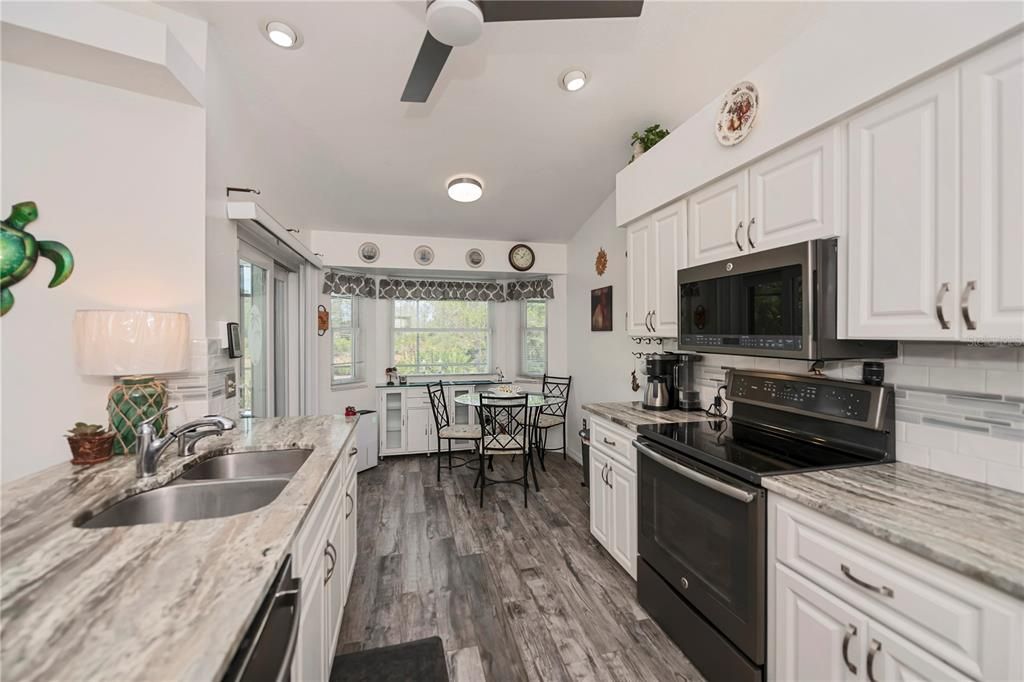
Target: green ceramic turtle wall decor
19, 251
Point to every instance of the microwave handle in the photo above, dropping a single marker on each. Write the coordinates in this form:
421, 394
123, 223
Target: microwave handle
696, 476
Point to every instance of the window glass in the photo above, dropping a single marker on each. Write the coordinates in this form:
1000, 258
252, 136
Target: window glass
534, 338
441, 337
343, 340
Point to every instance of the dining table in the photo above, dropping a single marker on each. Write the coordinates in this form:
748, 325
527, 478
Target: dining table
534, 401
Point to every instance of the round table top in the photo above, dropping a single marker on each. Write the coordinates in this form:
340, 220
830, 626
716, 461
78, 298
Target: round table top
533, 399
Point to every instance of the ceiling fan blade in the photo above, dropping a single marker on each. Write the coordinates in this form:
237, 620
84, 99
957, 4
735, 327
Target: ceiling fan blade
533, 10
429, 62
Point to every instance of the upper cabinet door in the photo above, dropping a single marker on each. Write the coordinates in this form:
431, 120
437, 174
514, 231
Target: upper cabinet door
669, 256
902, 252
640, 298
718, 220
793, 193
991, 292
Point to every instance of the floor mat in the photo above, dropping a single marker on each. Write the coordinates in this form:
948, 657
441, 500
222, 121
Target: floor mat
422, 660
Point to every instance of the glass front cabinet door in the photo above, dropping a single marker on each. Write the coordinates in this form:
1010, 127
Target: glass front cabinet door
392, 422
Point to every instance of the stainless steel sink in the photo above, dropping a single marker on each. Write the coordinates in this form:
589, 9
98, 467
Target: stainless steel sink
268, 463
188, 502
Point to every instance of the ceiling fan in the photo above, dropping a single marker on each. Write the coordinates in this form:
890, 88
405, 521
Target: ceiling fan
454, 23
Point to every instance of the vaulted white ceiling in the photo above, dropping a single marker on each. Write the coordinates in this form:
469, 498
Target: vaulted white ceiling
322, 132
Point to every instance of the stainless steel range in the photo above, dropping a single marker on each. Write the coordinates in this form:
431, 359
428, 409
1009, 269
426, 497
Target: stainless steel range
702, 522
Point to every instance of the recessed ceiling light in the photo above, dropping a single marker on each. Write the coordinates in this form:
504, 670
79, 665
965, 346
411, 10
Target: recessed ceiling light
465, 190
282, 35
573, 80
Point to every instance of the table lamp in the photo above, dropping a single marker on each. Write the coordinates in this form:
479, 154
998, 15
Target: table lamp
133, 345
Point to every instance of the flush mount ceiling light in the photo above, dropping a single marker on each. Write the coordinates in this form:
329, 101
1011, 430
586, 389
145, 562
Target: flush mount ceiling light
573, 80
282, 35
465, 189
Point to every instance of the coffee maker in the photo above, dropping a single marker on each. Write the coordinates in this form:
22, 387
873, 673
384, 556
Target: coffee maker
660, 393
687, 395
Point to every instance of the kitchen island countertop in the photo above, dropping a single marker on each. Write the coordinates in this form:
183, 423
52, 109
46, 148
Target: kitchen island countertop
162, 601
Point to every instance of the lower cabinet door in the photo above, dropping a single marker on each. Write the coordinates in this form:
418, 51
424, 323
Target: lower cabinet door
599, 499
351, 543
817, 636
311, 660
336, 561
891, 657
622, 510
417, 428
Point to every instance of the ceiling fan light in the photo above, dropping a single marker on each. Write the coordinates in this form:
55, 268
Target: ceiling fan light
573, 80
455, 22
465, 190
282, 35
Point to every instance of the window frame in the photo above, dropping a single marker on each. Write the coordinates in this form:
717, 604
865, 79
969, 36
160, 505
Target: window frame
353, 330
524, 329
490, 337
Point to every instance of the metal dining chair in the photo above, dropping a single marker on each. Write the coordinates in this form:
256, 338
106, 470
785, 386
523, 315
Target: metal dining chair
553, 416
445, 429
505, 430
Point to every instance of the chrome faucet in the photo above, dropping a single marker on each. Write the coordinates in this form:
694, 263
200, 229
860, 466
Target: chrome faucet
150, 448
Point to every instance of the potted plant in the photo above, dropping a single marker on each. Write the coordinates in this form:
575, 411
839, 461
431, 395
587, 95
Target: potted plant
90, 443
643, 141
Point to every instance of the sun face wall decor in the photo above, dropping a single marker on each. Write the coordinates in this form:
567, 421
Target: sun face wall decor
601, 262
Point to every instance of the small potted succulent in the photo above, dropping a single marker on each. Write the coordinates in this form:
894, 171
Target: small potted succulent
90, 443
643, 141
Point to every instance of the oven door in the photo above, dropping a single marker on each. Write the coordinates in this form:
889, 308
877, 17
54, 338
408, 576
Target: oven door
704, 533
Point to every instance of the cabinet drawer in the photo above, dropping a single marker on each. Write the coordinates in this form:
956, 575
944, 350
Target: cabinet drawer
308, 544
417, 398
615, 442
968, 625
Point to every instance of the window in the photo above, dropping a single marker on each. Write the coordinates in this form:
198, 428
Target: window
534, 338
441, 337
344, 326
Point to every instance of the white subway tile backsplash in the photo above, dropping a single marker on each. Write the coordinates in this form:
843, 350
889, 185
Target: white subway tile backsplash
913, 454
929, 354
1005, 382
984, 357
1004, 476
958, 464
956, 379
905, 375
928, 436
1005, 452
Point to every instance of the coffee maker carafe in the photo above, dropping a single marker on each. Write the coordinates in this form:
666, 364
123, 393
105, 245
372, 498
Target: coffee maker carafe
660, 392
687, 395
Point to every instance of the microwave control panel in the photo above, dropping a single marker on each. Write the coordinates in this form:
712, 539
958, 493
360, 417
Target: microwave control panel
814, 397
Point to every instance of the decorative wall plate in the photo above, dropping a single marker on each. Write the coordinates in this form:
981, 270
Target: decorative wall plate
521, 257
474, 258
423, 255
736, 114
369, 252
601, 262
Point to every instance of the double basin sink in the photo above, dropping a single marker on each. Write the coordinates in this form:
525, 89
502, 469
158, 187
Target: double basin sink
220, 486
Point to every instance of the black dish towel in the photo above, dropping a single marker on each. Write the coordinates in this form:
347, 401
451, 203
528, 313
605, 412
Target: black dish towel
422, 660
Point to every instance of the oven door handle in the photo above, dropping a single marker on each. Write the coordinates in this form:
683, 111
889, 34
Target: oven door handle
696, 476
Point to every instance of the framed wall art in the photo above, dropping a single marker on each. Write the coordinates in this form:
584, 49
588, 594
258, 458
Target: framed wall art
601, 309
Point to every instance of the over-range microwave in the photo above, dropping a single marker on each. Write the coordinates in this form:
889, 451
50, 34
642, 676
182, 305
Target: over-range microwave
778, 303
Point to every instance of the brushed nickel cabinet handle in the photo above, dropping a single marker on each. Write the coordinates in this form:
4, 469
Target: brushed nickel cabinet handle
607, 442
352, 505
604, 468
873, 651
353, 452
883, 590
965, 304
750, 227
736, 236
939, 297
851, 632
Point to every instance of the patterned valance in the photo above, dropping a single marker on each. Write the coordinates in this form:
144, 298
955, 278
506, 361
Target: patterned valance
440, 290
530, 288
345, 284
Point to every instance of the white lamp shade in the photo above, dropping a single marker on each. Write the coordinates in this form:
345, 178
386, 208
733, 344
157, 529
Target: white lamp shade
131, 342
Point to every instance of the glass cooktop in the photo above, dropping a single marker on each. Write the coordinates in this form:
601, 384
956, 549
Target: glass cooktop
748, 452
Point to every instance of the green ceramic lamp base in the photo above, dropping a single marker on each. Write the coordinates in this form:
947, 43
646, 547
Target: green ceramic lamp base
130, 403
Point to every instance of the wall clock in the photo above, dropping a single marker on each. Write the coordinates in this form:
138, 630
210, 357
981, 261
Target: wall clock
521, 257
423, 255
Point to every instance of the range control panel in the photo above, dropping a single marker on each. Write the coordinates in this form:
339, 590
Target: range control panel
821, 397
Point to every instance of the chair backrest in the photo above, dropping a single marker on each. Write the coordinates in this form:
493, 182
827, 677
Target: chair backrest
438, 405
557, 387
503, 423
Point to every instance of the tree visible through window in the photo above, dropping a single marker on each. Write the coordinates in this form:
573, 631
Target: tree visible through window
343, 339
441, 337
535, 338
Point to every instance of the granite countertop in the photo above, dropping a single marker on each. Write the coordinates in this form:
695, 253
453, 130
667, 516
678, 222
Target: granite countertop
633, 415
974, 529
460, 382
155, 601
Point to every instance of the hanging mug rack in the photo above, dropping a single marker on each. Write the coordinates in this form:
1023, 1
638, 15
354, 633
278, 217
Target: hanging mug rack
645, 339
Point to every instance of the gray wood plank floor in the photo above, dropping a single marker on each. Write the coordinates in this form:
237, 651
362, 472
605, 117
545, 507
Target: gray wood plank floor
514, 593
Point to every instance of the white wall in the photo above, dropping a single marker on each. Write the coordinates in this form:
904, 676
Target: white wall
119, 178
599, 362
857, 52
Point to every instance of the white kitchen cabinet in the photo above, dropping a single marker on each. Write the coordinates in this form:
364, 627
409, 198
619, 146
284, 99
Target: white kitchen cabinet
822, 637
890, 657
600, 501
655, 251
639, 299
794, 193
310, 662
717, 216
461, 415
392, 421
991, 286
418, 425
622, 495
350, 538
902, 243
336, 558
